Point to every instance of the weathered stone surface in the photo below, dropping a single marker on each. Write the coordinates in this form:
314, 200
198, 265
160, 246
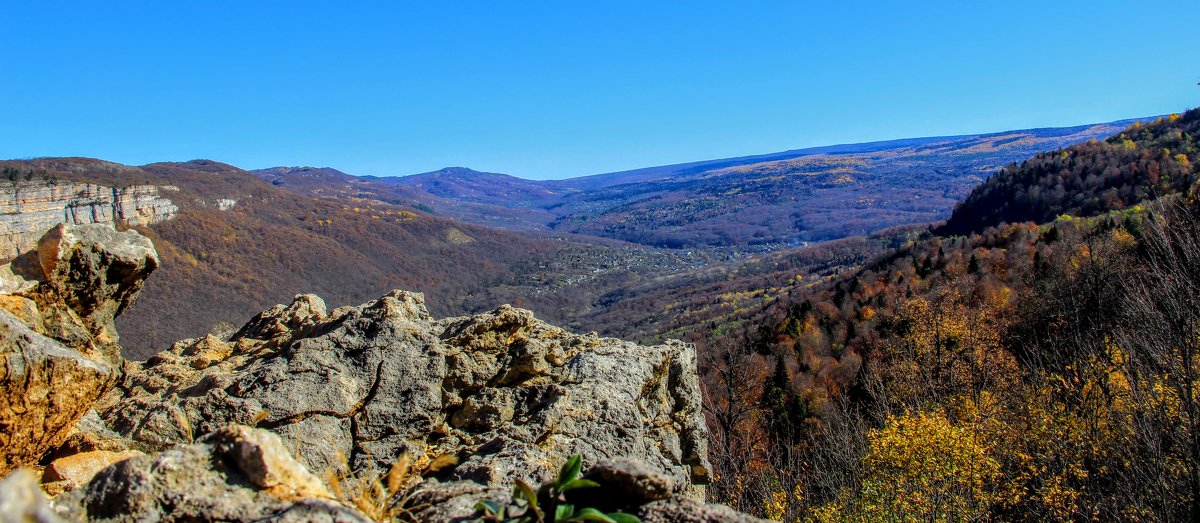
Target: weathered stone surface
91, 273
57, 341
235, 474
21, 501
510, 394
29, 208
627, 484
44, 389
91, 434
680, 509
260, 457
452, 502
76, 470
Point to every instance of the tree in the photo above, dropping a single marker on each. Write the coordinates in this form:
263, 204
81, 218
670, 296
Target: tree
1162, 340
728, 374
921, 467
784, 411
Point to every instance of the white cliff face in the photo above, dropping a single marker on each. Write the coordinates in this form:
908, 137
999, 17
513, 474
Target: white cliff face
29, 209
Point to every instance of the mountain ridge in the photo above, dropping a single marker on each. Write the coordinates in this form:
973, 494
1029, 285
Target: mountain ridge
781, 198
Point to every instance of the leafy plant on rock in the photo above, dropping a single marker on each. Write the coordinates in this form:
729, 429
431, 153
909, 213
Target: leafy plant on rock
547, 504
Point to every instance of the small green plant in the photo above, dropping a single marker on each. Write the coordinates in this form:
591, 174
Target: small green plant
547, 504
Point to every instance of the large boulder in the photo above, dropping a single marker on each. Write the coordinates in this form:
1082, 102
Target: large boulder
89, 275
44, 389
58, 346
509, 395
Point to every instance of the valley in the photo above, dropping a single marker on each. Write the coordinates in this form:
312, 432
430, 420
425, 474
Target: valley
614, 262
580, 252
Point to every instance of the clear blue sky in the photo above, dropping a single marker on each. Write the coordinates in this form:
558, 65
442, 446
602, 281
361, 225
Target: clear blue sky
557, 89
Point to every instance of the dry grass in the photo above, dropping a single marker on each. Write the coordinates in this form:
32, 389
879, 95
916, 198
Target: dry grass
387, 497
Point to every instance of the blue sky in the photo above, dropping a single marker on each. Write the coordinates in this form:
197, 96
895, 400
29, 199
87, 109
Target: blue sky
558, 89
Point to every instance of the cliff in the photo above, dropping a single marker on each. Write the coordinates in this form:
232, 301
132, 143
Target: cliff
29, 208
427, 417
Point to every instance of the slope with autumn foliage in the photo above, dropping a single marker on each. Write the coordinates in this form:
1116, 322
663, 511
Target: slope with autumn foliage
240, 245
1037, 370
1143, 162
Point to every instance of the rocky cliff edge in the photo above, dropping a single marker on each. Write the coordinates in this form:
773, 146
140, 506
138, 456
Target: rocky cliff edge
207, 430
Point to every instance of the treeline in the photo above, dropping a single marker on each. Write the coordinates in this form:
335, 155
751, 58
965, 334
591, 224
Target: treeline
1019, 373
1143, 162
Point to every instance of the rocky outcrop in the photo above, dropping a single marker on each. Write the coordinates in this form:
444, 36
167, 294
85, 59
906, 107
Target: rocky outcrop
491, 399
44, 389
510, 395
58, 346
89, 275
30, 208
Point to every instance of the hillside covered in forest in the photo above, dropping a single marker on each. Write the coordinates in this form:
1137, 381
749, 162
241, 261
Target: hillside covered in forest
1032, 359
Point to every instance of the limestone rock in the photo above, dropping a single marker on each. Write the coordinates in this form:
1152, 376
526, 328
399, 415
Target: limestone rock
90, 434
260, 457
57, 339
76, 470
510, 394
627, 484
29, 208
452, 502
44, 389
235, 474
686, 510
96, 272
21, 501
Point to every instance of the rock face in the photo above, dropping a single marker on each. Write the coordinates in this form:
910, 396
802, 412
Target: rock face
234, 474
57, 341
29, 208
44, 389
510, 395
357, 389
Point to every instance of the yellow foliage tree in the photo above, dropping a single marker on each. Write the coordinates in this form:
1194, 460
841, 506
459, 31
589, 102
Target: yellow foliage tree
921, 467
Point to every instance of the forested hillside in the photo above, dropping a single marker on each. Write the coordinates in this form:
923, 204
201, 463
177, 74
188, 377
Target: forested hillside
1144, 161
239, 245
1027, 371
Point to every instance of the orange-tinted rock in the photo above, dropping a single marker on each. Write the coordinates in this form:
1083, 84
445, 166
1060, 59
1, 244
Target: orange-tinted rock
78, 469
44, 389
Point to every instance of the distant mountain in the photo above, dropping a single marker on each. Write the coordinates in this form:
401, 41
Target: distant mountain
494, 200
772, 199
240, 231
460, 183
